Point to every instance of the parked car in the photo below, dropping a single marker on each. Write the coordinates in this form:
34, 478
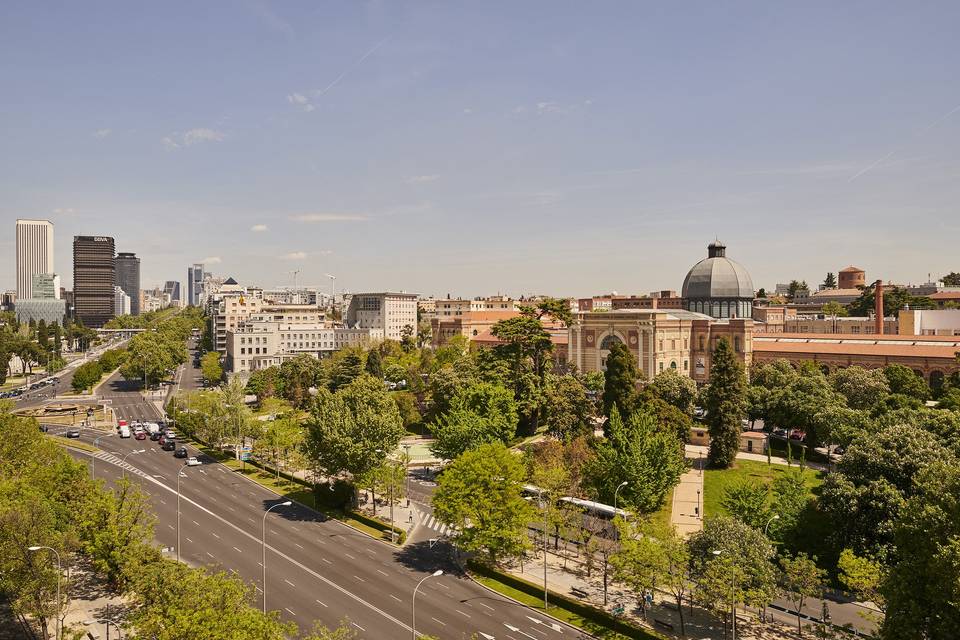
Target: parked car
73, 433
780, 431
180, 453
192, 461
798, 435
44, 428
169, 445
141, 435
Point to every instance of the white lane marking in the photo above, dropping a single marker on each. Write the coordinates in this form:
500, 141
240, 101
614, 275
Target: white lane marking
298, 546
462, 613
359, 578
356, 598
325, 560
380, 571
290, 612
215, 535
290, 583
162, 501
196, 523
350, 556
440, 621
443, 586
320, 603
171, 527
395, 598
238, 550
359, 627
486, 605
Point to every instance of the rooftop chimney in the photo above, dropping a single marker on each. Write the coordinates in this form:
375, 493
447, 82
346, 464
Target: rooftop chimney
878, 308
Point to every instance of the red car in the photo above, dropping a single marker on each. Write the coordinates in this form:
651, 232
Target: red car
141, 435
798, 435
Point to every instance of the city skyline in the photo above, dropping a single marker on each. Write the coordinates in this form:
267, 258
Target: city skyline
600, 151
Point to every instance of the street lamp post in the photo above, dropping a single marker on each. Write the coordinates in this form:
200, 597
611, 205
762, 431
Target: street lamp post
93, 458
57, 633
775, 516
413, 604
616, 491
406, 471
263, 549
124, 459
116, 626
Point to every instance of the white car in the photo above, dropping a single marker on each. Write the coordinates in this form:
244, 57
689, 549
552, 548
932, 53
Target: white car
170, 433
192, 461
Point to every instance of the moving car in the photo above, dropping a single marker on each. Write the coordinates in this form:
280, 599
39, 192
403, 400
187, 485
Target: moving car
152, 427
154, 437
141, 435
192, 461
169, 445
124, 431
169, 433
72, 433
180, 453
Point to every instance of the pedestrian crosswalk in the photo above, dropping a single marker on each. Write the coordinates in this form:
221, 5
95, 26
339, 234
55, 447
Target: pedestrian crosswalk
430, 521
116, 460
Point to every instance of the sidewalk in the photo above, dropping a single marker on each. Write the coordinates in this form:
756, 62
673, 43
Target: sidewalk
693, 451
688, 500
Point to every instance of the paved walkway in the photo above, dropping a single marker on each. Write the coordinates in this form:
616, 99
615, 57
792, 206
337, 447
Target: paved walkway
694, 450
688, 500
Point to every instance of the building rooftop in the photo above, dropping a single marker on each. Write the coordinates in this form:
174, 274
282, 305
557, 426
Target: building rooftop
851, 269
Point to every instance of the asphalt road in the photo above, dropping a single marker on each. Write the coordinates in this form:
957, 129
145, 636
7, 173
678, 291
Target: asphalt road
44, 395
318, 569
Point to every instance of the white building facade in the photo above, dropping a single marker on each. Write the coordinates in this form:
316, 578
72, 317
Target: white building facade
385, 315
34, 253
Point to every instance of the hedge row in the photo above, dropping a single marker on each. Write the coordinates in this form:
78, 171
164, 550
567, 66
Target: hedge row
578, 607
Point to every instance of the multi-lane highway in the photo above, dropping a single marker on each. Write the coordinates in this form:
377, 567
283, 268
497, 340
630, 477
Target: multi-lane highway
317, 569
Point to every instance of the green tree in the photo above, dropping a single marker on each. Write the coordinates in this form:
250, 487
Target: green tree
802, 579
903, 380
525, 346
830, 282
374, 366
674, 388
863, 576
567, 410
409, 411
952, 279
265, 383
347, 369
446, 382
834, 308
620, 380
176, 602
479, 414
747, 502
86, 375
210, 368
649, 459
479, 495
894, 299
297, 376
280, 438
923, 587
863, 388
725, 401
353, 430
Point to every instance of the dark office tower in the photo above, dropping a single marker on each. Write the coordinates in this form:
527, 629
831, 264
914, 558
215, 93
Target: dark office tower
127, 277
194, 284
172, 288
93, 279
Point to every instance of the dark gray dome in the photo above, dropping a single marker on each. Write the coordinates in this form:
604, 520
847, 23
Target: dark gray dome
717, 277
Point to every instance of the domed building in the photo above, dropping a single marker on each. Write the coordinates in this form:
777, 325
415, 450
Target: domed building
718, 287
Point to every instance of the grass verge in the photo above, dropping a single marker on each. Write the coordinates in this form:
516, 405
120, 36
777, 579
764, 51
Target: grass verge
73, 444
595, 621
717, 481
295, 489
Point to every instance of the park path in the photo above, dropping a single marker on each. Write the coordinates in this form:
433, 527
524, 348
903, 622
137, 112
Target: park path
687, 499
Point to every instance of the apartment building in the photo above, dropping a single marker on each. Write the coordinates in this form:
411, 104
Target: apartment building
277, 334
34, 253
385, 314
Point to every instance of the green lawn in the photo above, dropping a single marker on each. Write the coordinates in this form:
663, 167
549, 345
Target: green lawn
778, 447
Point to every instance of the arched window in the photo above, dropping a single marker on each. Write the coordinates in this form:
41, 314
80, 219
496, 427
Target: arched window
673, 364
609, 341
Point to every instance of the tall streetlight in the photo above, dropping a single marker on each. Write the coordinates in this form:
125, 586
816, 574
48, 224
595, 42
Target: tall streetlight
733, 605
35, 548
180, 474
413, 604
615, 492
775, 516
116, 626
263, 549
124, 459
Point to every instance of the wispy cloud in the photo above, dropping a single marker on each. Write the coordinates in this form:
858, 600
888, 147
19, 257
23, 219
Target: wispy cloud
301, 101
295, 255
193, 136
258, 228
271, 19
102, 133
329, 217
422, 179
68, 211
211, 260
827, 168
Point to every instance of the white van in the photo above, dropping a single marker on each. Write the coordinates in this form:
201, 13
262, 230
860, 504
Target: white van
124, 431
151, 427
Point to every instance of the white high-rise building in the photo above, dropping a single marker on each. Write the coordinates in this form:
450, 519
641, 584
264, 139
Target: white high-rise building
121, 302
34, 253
386, 315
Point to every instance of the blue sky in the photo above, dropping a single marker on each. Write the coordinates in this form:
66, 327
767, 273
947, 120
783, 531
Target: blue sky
473, 148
